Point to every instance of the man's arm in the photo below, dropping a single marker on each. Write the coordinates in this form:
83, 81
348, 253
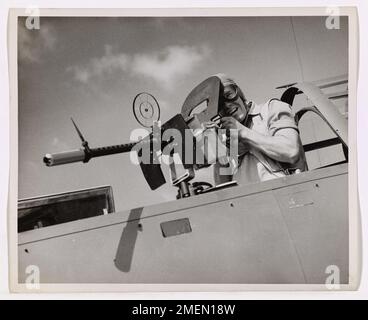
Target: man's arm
283, 146
282, 143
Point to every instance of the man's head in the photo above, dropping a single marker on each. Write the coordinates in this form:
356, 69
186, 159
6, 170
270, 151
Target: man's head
234, 102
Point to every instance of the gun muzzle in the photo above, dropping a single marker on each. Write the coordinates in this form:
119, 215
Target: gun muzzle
64, 157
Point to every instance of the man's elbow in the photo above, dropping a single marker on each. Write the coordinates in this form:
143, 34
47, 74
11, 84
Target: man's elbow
293, 155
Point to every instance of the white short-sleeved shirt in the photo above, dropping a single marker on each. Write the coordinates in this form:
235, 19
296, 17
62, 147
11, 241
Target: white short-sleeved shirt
266, 119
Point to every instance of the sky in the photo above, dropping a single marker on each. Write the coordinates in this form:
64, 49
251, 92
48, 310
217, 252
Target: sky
92, 68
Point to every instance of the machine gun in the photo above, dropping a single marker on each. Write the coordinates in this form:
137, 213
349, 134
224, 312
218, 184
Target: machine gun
147, 113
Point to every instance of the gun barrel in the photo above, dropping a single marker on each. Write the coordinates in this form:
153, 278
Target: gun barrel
104, 151
85, 154
64, 157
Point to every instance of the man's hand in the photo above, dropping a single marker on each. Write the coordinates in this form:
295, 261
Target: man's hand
234, 125
231, 123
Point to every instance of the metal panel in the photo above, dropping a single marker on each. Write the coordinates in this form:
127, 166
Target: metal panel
175, 227
239, 235
317, 220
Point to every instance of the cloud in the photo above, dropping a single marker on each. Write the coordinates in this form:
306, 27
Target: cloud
57, 144
169, 64
164, 66
48, 37
96, 67
33, 43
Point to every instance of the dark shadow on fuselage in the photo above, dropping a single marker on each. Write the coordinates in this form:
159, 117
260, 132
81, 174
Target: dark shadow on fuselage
125, 251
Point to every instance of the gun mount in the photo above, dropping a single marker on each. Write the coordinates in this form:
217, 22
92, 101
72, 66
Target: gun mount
203, 152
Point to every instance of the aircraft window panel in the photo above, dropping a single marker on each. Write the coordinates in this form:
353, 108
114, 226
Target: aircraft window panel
306, 129
324, 157
313, 129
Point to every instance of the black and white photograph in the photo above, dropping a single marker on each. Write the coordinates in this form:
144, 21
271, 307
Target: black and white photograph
203, 149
